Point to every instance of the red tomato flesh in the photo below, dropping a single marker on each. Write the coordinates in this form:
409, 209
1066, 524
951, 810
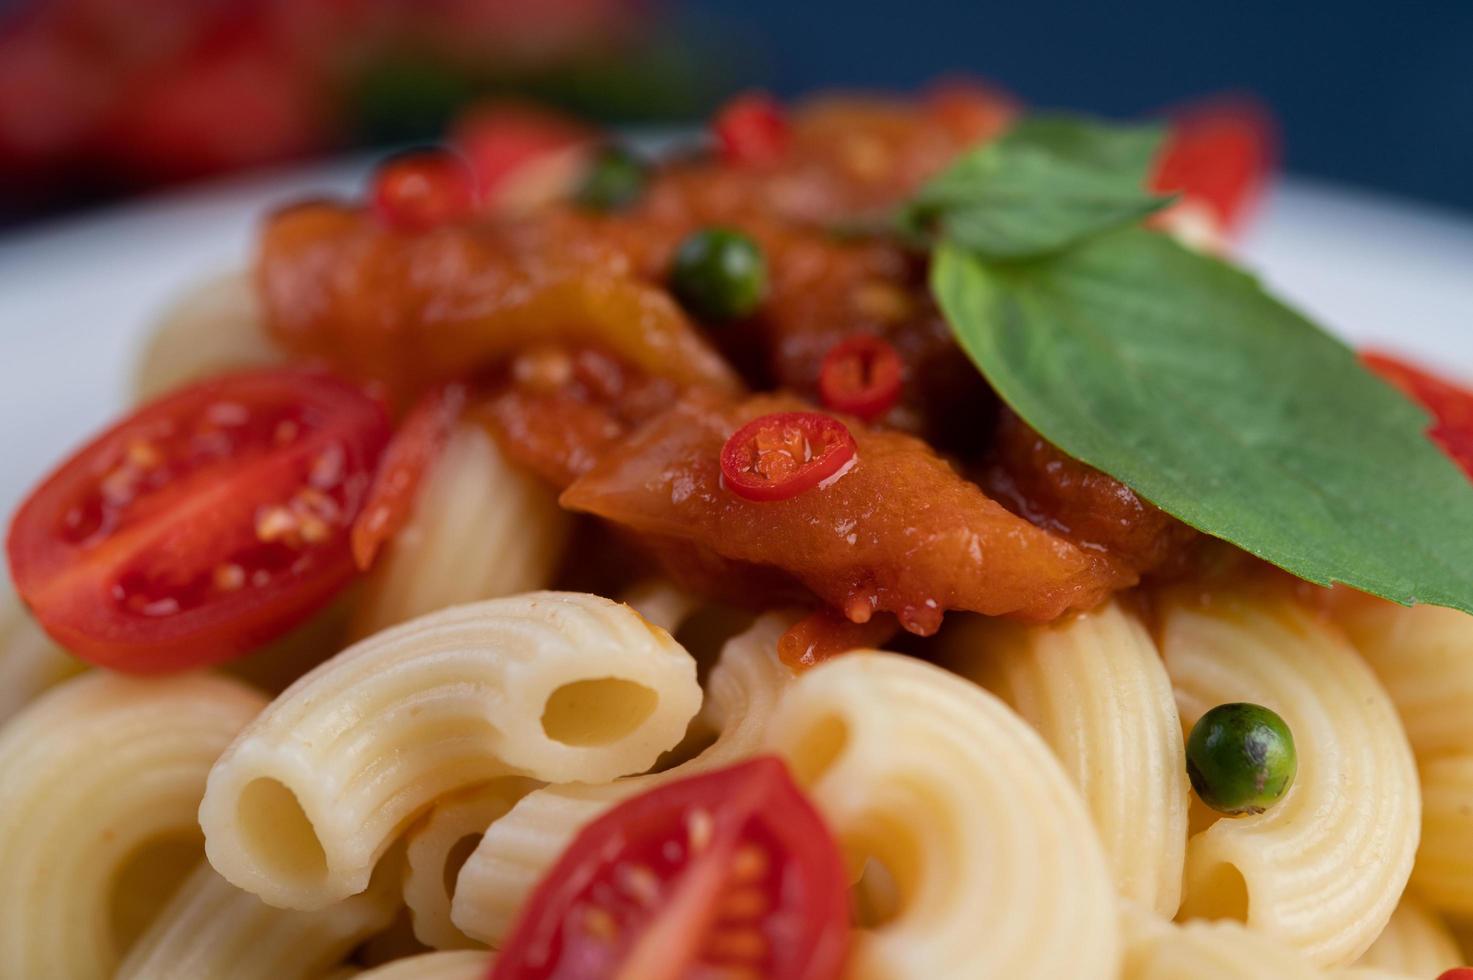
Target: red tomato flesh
1219, 154
411, 452
521, 155
861, 376
774, 457
751, 130
1451, 406
1457, 973
420, 190
726, 874
204, 524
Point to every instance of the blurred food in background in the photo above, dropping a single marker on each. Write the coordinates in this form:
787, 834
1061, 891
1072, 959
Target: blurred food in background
104, 97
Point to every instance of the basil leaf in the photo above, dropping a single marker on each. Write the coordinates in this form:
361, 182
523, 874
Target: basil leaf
1179, 376
1047, 183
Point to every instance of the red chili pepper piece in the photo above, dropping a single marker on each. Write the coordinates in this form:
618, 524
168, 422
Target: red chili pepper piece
410, 454
420, 190
778, 456
752, 130
1451, 406
861, 376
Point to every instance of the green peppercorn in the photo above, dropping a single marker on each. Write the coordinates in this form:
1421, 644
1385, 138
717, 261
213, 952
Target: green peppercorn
1240, 758
615, 179
719, 274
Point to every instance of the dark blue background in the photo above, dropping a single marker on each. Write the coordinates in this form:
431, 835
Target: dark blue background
1375, 93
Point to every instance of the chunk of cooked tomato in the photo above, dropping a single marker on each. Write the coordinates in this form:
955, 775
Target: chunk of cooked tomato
204, 524
1219, 155
731, 874
413, 450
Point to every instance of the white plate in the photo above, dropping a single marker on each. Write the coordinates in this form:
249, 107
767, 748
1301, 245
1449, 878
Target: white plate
77, 297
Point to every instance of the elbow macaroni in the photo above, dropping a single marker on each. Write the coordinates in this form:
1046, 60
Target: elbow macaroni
742, 693
438, 846
1095, 688
30, 661
998, 870
100, 781
1415, 942
555, 686
216, 326
481, 528
1322, 868
211, 930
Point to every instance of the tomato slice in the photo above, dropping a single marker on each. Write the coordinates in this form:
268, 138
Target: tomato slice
521, 155
204, 524
419, 190
1220, 155
411, 452
861, 376
726, 874
1451, 405
1457, 973
774, 457
752, 130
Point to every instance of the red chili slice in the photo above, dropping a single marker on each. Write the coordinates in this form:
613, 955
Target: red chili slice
411, 452
752, 130
1221, 154
1451, 405
726, 874
861, 376
778, 456
204, 524
420, 190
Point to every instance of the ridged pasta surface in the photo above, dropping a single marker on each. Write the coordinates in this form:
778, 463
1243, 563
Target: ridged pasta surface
998, 870
742, 692
1094, 687
100, 782
554, 686
1322, 868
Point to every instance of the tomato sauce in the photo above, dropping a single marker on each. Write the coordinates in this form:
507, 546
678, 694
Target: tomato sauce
594, 377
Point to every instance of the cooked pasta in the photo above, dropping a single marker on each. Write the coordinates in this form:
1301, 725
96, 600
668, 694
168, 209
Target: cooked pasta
213, 327
1424, 658
998, 870
481, 529
1156, 949
1095, 688
1321, 869
556, 686
100, 780
456, 965
742, 692
30, 661
1415, 941
211, 930
438, 845
1443, 875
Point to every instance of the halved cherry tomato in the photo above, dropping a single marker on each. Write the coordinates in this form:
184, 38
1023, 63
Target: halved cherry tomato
861, 376
751, 130
419, 190
411, 452
204, 524
521, 155
1219, 154
1457, 973
726, 874
1451, 406
778, 456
